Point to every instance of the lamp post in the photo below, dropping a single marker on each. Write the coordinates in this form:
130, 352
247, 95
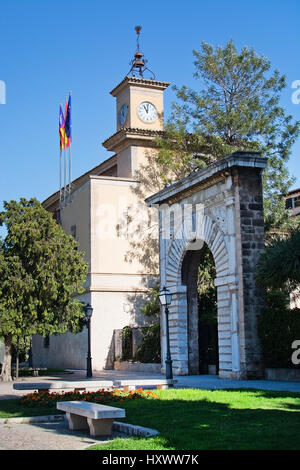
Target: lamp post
88, 316
165, 299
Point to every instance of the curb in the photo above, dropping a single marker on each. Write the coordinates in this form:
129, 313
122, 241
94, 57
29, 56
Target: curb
33, 419
134, 430
124, 428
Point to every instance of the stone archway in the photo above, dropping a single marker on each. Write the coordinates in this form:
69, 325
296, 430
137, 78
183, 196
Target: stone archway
220, 205
202, 337
226, 295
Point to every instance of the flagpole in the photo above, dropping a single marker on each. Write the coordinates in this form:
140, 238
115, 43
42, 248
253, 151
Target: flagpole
60, 177
60, 172
65, 155
70, 93
65, 176
70, 172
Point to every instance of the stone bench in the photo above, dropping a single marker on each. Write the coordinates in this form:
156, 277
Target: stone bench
85, 415
160, 384
91, 385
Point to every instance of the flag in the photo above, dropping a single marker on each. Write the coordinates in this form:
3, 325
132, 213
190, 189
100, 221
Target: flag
68, 128
62, 131
65, 119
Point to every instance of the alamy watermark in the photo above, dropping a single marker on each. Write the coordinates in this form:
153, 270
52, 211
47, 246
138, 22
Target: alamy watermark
2, 92
133, 222
296, 94
296, 354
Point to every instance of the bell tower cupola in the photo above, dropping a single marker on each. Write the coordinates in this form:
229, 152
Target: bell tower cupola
139, 114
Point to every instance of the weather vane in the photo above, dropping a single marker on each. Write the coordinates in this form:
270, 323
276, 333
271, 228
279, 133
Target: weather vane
138, 64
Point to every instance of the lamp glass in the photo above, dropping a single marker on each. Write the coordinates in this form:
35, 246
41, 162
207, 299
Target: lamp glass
165, 296
89, 310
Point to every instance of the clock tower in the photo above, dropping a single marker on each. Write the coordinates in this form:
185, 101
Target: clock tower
139, 111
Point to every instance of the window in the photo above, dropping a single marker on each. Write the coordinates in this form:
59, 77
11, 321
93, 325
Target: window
292, 202
73, 231
297, 201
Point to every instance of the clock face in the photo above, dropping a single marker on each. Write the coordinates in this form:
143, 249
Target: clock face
123, 114
147, 112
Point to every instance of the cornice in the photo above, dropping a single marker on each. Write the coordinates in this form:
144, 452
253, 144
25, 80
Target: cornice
128, 135
210, 173
141, 82
53, 200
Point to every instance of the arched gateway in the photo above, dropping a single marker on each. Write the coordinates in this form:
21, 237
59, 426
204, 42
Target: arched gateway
220, 206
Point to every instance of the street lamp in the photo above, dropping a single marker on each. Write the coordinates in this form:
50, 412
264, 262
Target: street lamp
88, 316
165, 297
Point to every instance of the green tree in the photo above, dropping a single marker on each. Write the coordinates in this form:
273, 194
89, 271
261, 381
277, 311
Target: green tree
41, 272
20, 348
237, 107
151, 309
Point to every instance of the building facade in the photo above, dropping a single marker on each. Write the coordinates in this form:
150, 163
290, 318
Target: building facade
292, 202
104, 215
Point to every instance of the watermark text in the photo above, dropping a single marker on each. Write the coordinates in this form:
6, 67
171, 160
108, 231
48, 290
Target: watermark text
2, 92
296, 354
296, 94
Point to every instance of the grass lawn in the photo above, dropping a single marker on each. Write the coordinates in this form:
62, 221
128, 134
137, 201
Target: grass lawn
192, 419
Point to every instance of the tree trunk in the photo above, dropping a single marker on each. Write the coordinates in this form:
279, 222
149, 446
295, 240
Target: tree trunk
30, 355
17, 365
6, 366
17, 358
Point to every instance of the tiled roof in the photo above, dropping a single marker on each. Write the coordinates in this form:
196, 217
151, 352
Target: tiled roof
139, 81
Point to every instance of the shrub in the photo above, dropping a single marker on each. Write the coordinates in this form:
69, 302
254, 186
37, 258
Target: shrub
278, 327
106, 397
278, 271
126, 343
149, 349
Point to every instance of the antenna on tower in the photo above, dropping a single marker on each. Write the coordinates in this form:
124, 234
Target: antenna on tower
138, 64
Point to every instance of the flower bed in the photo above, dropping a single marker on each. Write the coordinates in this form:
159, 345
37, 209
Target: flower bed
100, 396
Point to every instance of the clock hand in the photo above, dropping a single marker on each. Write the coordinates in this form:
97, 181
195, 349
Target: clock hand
146, 108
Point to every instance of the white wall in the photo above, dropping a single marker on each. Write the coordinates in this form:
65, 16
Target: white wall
64, 351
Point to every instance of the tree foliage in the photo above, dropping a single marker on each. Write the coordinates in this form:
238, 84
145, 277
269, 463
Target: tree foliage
151, 309
149, 351
279, 266
40, 272
236, 107
207, 298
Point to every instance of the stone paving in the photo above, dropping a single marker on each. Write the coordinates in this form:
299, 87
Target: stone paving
207, 382
56, 436
44, 436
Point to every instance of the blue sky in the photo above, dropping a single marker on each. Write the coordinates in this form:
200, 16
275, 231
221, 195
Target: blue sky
48, 47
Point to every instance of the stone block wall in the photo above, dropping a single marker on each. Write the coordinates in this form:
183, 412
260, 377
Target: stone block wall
249, 191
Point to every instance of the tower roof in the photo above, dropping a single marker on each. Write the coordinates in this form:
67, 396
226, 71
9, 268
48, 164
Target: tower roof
137, 81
